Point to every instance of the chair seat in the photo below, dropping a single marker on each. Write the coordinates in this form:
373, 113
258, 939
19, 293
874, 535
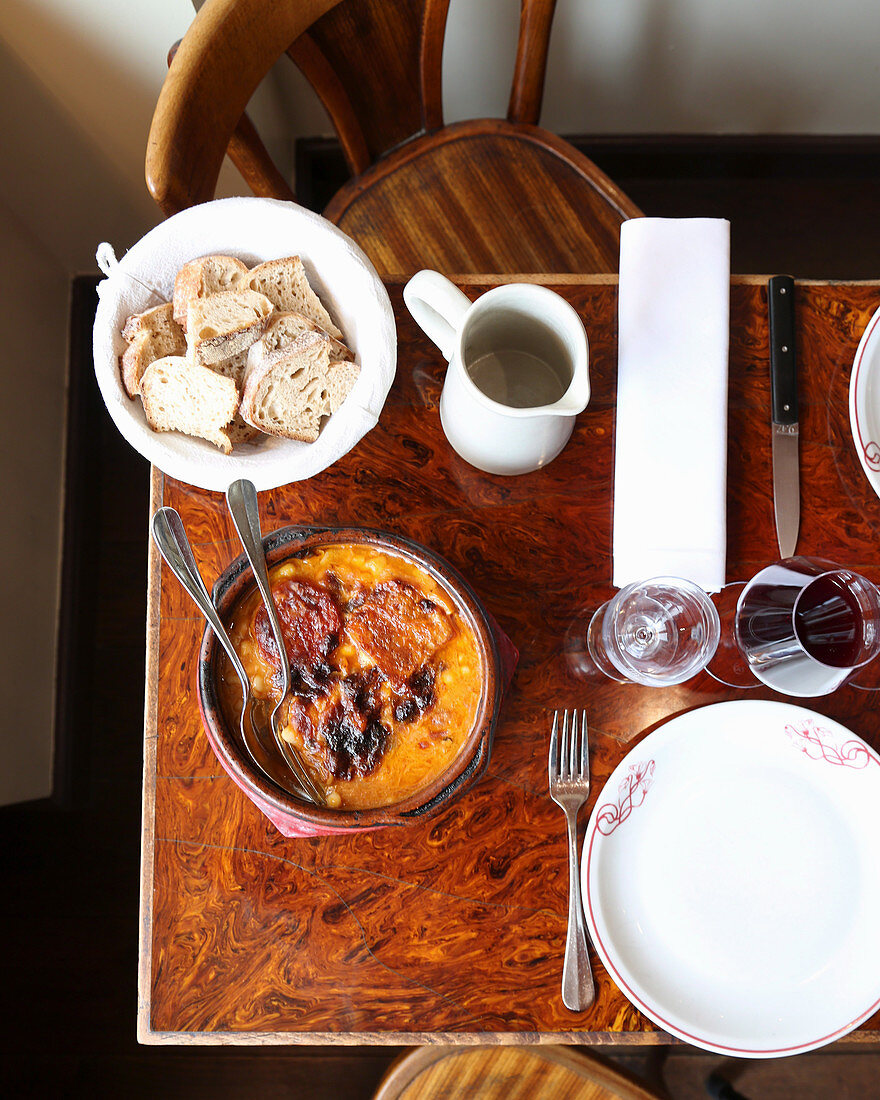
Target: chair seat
507, 1073
484, 195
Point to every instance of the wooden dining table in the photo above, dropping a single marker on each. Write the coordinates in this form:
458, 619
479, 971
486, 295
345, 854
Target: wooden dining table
453, 929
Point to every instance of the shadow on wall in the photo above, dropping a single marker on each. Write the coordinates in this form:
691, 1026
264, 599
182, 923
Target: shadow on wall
70, 180
75, 121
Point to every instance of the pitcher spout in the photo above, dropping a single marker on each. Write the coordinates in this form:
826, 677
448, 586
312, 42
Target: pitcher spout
575, 399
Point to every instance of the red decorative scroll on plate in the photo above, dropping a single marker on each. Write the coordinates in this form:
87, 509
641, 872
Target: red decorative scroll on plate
630, 793
872, 454
817, 743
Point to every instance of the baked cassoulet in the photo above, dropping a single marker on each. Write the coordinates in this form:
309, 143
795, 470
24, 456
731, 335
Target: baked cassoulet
386, 675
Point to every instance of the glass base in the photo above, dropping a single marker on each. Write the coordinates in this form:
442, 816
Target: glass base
866, 678
582, 659
596, 647
729, 665
659, 632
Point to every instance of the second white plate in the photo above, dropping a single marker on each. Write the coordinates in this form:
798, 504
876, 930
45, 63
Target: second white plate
731, 878
864, 401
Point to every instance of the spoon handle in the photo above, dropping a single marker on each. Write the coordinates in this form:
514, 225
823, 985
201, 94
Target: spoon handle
241, 496
244, 507
170, 536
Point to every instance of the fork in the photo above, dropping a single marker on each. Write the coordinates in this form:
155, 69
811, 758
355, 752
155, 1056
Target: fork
241, 497
569, 787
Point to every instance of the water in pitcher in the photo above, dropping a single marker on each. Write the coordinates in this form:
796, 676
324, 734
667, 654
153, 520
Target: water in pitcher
521, 364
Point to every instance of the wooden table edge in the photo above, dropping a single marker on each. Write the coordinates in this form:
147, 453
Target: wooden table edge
148, 812
441, 1038
409, 1038
612, 279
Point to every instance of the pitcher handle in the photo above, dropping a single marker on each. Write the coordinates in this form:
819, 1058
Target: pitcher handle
438, 307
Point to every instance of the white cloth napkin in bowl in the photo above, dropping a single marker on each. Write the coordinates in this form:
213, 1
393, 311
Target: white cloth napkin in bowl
670, 475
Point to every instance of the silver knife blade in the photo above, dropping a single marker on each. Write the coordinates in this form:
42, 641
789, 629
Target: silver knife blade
784, 397
786, 487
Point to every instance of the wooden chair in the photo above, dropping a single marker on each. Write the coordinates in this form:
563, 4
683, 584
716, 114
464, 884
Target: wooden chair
507, 1073
482, 195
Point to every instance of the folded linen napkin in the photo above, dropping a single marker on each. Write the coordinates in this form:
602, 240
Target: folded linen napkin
670, 476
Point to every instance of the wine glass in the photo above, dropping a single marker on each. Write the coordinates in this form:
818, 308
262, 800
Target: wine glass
806, 625
657, 632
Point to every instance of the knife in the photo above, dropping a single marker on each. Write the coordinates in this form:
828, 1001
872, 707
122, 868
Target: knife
784, 406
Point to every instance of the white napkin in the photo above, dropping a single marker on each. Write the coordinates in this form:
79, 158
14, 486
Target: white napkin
254, 230
670, 476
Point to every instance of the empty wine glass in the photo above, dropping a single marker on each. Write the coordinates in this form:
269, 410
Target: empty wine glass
657, 632
806, 625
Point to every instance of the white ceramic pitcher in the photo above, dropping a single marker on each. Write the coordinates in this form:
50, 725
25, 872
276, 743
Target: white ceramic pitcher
518, 370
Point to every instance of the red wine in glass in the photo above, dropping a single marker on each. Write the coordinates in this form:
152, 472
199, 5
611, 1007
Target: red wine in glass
805, 625
830, 622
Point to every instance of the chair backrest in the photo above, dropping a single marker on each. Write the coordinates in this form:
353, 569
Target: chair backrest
375, 64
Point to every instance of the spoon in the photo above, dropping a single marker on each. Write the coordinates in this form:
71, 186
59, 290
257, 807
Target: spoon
241, 496
170, 537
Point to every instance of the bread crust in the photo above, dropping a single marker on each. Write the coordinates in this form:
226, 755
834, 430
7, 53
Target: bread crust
306, 427
242, 318
151, 335
285, 283
204, 276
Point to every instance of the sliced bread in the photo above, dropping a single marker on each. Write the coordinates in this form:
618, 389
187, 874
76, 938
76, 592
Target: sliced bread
225, 324
341, 377
157, 321
285, 283
288, 394
234, 368
283, 328
238, 430
151, 335
180, 395
202, 277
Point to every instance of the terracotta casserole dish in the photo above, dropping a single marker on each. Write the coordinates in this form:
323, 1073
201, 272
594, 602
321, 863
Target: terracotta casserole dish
394, 577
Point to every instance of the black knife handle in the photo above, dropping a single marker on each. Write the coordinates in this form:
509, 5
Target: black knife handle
783, 364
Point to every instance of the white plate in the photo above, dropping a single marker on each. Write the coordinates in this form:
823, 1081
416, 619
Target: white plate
864, 401
731, 878
254, 230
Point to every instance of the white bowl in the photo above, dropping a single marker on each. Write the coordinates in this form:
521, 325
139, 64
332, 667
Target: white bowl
254, 230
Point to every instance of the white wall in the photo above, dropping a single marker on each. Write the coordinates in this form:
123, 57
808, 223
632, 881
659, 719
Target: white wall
659, 66
680, 66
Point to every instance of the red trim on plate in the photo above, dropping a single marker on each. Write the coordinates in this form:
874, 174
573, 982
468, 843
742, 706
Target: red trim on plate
866, 339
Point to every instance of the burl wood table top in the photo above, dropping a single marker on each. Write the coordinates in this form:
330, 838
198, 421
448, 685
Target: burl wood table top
453, 929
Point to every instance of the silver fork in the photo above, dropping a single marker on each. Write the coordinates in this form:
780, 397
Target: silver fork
241, 497
569, 787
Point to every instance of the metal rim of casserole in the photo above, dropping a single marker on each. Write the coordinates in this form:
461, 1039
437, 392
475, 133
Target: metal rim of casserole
235, 582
